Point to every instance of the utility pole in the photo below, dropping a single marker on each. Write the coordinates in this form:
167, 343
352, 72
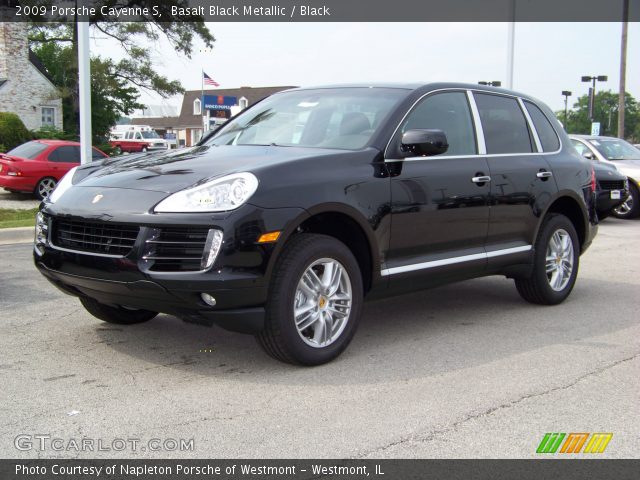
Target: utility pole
511, 43
84, 83
566, 94
623, 67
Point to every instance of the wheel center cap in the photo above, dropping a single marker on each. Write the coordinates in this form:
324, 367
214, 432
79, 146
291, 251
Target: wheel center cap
322, 302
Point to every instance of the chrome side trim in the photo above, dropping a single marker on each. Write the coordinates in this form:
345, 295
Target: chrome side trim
536, 138
440, 157
453, 260
508, 251
482, 147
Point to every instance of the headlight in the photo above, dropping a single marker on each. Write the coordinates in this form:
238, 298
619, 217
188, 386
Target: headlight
63, 185
219, 195
41, 233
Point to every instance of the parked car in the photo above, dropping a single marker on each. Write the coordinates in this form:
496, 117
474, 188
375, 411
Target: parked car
626, 159
137, 138
313, 199
37, 166
612, 189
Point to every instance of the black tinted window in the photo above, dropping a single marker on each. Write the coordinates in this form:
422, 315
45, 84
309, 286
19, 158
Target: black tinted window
546, 133
97, 155
450, 113
505, 127
67, 153
29, 150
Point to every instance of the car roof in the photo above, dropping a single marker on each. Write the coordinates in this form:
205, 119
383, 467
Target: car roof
48, 141
593, 137
425, 86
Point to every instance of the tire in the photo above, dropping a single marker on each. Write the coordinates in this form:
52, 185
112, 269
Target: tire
119, 315
44, 187
544, 288
282, 339
144, 150
117, 150
631, 207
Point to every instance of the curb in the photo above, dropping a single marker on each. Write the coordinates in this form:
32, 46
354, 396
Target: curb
16, 235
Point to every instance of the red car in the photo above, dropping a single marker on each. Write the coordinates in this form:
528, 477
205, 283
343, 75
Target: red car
37, 166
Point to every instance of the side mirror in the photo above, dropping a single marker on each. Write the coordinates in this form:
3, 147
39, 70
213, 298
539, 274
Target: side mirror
588, 155
423, 142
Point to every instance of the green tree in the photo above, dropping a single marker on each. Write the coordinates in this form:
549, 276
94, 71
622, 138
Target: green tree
605, 112
115, 84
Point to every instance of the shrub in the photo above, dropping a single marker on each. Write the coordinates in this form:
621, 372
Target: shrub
12, 131
52, 133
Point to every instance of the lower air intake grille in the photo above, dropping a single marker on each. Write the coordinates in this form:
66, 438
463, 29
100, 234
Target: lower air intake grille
175, 249
94, 237
612, 184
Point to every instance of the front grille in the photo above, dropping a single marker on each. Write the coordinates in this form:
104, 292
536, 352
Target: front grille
94, 237
175, 249
612, 184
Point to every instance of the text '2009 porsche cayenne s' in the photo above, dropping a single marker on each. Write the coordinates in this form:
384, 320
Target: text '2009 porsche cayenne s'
284, 220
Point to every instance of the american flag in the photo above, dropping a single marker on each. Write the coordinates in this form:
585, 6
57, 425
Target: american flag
210, 81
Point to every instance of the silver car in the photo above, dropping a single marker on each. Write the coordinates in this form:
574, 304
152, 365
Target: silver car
626, 159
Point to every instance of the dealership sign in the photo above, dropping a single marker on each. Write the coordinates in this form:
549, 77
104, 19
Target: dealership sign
218, 102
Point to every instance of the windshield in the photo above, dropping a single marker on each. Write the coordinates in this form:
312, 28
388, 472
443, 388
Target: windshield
342, 118
150, 134
616, 149
28, 150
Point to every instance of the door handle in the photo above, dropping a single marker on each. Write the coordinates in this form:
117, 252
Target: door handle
544, 174
481, 179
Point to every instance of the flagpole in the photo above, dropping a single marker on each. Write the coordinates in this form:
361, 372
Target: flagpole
202, 96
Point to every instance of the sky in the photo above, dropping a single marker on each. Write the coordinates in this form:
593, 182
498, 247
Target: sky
549, 57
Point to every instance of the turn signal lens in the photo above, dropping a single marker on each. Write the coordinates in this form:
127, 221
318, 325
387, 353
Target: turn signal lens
269, 237
593, 180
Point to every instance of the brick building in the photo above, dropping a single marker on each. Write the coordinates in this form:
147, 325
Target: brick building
25, 87
190, 123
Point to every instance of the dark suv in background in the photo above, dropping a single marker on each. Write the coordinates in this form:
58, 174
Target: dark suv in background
287, 217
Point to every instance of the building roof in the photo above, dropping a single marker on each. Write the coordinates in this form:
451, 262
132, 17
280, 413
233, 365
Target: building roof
36, 62
156, 122
253, 95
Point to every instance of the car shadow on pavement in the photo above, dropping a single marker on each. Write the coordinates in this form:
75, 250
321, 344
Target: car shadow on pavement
416, 335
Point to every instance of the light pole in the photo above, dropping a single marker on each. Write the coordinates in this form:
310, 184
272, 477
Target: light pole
592, 91
566, 94
494, 83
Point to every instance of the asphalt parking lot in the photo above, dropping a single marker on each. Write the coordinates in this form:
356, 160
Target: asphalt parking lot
468, 370
17, 200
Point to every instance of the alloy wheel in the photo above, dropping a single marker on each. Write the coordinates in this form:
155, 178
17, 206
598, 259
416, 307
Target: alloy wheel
626, 207
322, 304
46, 186
559, 259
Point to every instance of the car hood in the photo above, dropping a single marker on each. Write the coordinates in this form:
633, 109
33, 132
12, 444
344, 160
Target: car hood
607, 171
630, 168
174, 171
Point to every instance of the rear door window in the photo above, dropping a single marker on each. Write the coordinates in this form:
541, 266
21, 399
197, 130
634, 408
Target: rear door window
65, 154
505, 127
546, 133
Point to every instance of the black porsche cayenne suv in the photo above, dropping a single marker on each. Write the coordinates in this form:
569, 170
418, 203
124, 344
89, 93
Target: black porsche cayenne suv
285, 219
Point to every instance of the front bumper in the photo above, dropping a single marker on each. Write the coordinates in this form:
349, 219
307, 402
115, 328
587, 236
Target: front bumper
604, 202
238, 279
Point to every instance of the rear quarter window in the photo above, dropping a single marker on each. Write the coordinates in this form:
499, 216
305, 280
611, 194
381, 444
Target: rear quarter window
547, 135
